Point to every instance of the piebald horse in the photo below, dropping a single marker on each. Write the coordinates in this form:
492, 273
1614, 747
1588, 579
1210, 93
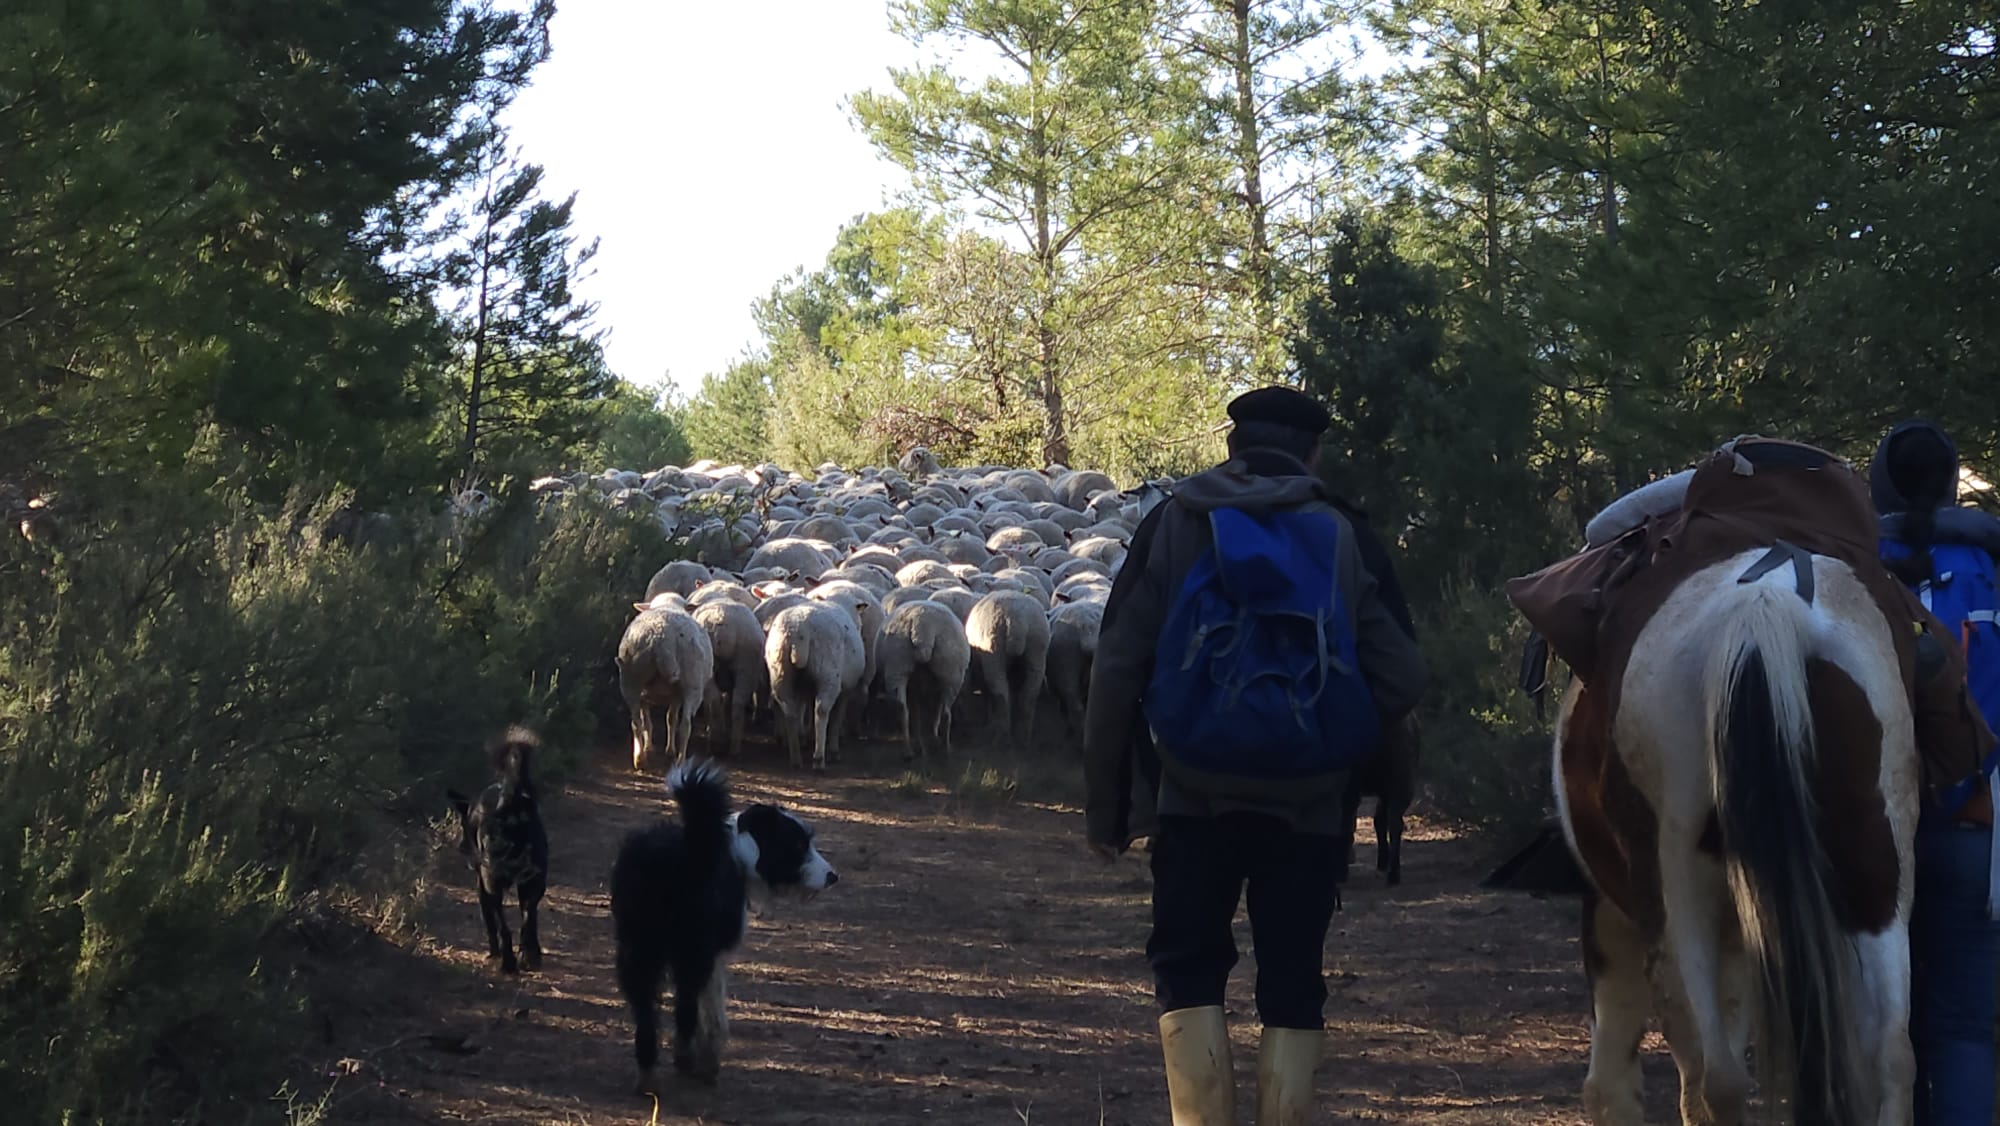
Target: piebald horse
1748, 834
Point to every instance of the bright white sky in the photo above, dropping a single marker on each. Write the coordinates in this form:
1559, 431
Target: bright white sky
712, 155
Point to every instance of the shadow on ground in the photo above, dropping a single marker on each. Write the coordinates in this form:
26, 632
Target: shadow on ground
973, 966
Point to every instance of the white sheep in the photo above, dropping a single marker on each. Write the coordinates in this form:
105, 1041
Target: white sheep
876, 578
956, 547
919, 462
737, 643
723, 590
1073, 630
800, 557
922, 571
868, 618
924, 652
664, 661
1009, 633
1077, 487
958, 599
770, 605
681, 577
813, 656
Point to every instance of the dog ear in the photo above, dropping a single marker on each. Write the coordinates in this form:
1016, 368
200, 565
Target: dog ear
754, 816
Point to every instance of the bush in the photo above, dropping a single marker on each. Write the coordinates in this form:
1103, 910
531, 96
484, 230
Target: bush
1485, 753
209, 718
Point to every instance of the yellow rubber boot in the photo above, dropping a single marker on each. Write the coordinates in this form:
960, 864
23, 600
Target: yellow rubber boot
1200, 1084
1286, 1061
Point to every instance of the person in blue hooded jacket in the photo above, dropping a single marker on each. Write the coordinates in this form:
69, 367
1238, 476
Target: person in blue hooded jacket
1945, 553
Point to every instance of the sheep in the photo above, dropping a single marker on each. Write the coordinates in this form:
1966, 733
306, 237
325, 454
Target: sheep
736, 641
919, 462
923, 514
921, 553
801, 557
1049, 558
1009, 635
1103, 549
723, 590
1073, 630
877, 579
1114, 529
878, 555
1015, 541
901, 596
1048, 531
1030, 580
958, 600
922, 571
868, 617
664, 660
1077, 487
1084, 587
771, 605
924, 649
826, 529
968, 548
1076, 567
682, 577
814, 658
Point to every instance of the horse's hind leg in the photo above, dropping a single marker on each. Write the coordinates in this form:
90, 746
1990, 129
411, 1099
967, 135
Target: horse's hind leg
1614, 959
1715, 1081
1885, 973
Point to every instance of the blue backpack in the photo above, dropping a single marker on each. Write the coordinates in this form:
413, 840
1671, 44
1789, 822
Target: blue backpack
1965, 595
1256, 677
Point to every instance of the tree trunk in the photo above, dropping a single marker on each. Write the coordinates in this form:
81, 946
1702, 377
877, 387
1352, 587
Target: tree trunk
1055, 426
1249, 155
476, 385
1489, 171
1608, 204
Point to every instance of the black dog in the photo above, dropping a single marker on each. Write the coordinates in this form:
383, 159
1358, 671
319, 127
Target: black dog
504, 833
680, 902
1392, 776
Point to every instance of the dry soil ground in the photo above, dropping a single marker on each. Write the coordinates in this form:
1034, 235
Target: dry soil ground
974, 965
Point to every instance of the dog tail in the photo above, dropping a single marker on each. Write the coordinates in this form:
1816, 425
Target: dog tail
702, 792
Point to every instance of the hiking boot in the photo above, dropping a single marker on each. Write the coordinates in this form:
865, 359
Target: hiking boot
1286, 1061
1200, 1084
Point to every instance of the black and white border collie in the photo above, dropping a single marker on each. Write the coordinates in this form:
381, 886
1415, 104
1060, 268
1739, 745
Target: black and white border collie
680, 900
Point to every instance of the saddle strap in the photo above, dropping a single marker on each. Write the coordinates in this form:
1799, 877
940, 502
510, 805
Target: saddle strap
1781, 553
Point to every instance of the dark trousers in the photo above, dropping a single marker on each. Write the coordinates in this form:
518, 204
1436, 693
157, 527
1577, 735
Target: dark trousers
1200, 867
1955, 964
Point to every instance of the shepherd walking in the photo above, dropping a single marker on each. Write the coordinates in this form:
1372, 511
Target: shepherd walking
1246, 635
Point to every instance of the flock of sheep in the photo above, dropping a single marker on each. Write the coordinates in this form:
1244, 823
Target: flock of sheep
821, 597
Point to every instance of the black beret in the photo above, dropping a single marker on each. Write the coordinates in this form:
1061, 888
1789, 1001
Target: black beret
1280, 406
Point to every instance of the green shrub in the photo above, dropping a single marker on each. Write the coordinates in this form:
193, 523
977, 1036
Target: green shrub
209, 720
1485, 754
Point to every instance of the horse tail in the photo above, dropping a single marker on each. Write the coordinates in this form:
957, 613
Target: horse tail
1762, 764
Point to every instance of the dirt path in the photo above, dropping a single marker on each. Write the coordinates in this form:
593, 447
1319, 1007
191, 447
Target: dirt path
973, 966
